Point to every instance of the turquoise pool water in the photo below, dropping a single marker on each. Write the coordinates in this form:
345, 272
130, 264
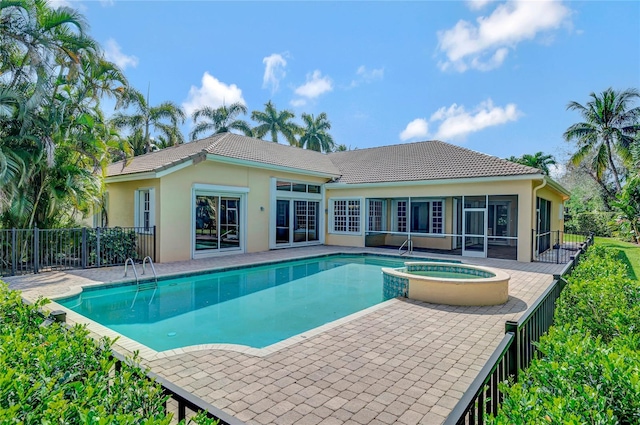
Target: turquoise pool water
255, 306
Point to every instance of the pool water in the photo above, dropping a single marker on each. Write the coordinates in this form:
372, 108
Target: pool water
255, 306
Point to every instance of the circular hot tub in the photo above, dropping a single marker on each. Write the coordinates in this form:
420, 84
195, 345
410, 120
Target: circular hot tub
447, 283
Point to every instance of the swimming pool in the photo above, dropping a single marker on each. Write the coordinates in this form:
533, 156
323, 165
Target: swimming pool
255, 306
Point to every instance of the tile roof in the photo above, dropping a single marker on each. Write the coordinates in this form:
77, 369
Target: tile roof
231, 146
433, 160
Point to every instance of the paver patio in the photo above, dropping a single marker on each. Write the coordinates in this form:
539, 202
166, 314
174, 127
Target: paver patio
404, 362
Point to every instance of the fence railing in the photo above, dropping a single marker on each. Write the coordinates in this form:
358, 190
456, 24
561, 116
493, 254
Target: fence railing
514, 353
24, 251
556, 246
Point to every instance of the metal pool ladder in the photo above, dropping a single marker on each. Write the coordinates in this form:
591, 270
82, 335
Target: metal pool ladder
141, 286
409, 244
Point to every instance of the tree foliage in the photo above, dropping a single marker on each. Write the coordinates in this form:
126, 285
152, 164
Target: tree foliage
274, 122
315, 133
538, 160
212, 121
54, 139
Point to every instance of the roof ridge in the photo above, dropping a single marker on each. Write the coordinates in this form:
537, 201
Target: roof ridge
491, 156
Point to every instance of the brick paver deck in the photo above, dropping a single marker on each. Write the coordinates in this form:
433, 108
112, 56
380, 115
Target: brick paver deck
405, 362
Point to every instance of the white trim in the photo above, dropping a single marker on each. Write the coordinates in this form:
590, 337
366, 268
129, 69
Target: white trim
137, 218
130, 177
331, 224
216, 190
263, 166
433, 182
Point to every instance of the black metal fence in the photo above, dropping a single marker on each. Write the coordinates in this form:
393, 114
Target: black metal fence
24, 251
556, 246
514, 353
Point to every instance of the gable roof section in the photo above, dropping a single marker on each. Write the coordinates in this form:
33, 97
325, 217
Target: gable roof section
231, 147
433, 160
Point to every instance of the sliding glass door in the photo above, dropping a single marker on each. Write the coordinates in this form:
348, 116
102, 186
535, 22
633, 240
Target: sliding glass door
217, 223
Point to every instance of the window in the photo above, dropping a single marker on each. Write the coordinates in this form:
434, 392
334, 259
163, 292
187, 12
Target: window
346, 215
144, 210
287, 186
375, 215
426, 216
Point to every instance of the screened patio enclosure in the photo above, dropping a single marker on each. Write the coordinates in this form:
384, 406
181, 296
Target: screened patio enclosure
473, 226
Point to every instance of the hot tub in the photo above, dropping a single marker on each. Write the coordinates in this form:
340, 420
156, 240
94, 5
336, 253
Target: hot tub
447, 283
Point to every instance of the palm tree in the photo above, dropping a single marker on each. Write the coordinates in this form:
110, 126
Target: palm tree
146, 117
273, 122
538, 160
220, 120
606, 134
315, 135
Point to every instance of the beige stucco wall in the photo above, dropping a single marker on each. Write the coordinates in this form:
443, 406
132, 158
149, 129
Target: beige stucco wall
557, 205
174, 199
173, 207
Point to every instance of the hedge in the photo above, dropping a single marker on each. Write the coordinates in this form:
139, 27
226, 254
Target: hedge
53, 374
588, 365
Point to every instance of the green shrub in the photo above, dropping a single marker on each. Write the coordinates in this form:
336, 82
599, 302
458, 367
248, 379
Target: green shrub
578, 380
588, 366
49, 374
600, 298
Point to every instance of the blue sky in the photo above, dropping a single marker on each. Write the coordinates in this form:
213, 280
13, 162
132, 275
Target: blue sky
490, 76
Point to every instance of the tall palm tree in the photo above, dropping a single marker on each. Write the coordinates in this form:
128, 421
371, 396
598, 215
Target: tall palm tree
273, 122
315, 134
538, 160
147, 118
607, 132
220, 120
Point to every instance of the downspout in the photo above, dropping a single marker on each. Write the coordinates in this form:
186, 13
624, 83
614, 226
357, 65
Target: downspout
535, 217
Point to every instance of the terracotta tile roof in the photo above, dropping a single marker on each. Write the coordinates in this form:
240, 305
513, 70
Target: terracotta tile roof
433, 160
232, 146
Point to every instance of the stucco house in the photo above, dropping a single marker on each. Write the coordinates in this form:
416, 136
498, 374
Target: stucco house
230, 193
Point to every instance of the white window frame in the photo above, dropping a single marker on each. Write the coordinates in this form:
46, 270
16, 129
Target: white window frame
218, 190
291, 196
409, 201
348, 221
138, 205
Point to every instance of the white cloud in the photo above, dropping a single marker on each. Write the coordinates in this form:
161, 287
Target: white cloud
298, 102
364, 75
213, 93
456, 122
416, 128
477, 4
485, 45
113, 54
315, 86
273, 71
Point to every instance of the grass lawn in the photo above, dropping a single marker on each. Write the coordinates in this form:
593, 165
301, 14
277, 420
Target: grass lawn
629, 253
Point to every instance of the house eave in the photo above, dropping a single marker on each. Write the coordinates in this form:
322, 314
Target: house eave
432, 182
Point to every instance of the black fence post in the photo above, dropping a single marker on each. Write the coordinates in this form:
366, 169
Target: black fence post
84, 254
558, 245
98, 247
36, 250
513, 365
14, 256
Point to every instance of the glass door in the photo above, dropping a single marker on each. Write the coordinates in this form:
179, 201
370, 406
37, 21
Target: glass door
217, 223
305, 220
474, 233
282, 222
